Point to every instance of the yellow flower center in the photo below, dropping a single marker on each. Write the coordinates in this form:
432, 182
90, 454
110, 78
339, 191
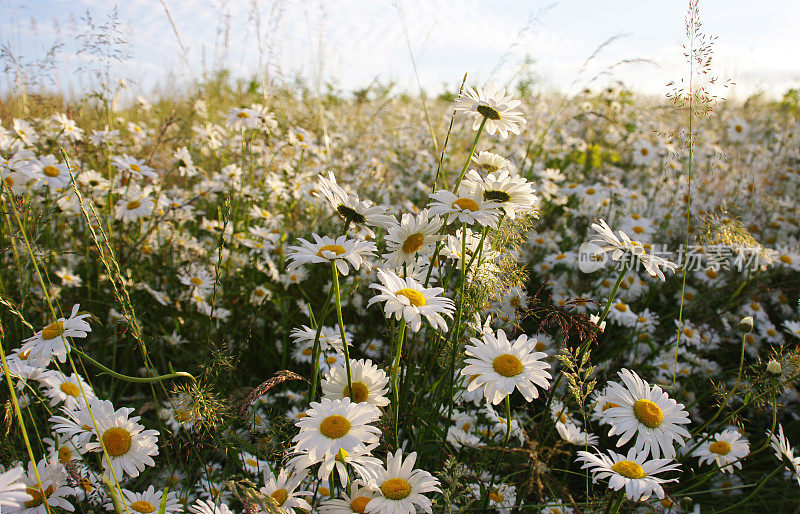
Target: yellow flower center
196, 281
648, 413
117, 441
182, 415
738, 128
495, 497
590, 191
621, 307
688, 332
360, 504
396, 489
307, 351
53, 330
539, 346
644, 151
786, 259
70, 389
466, 204
51, 171
334, 427
416, 298
710, 273
360, 392
64, 455
142, 506
638, 229
628, 469
331, 360
242, 114
720, 447
337, 249
86, 485
280, 496
507, 365
134, 204
413, 243
609, 405
37, 498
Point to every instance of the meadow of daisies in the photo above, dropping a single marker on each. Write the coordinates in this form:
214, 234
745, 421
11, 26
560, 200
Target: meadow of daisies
253, 300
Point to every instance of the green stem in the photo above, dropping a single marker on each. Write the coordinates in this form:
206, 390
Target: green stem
312, 392
395, 370
141, 380
469, 157
335, 272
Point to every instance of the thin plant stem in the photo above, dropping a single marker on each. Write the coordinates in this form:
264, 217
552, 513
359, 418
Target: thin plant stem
335, 272
395, 369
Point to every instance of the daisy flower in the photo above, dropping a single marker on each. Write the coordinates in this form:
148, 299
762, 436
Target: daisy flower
793, 327
135, 167
334, 425
725, 448
61, 388
514, 194
351, 209
490, 162
282, 491
369, 383
199, 278
492, 105
408, 299
572, 434
53, 476
13, 491
252, 464
632, 251
415, 235
502, 366
646, 412
401, 487
209, 507
130, 447
25, 131
48, 172
329, 337
355, 502
502, 497
341, 250
784, 451
150, 501
243, 118
633, 472
360, 461
467, 206
136, 204
68, 278
51, 341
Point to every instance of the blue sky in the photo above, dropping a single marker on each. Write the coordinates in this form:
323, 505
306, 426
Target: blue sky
353, 42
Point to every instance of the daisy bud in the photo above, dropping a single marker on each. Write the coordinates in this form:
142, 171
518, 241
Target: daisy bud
774, 367
746, 325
